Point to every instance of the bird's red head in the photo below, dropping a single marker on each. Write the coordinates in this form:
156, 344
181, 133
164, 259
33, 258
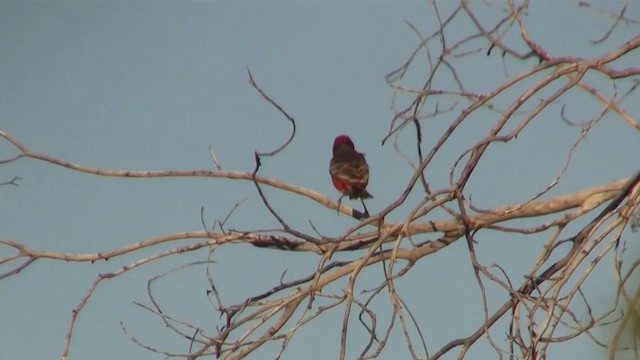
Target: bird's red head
342, 140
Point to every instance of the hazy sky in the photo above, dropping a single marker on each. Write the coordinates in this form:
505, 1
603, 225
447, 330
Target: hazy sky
151, 85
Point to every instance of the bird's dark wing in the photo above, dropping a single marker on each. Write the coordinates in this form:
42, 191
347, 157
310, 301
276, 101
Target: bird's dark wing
354, 171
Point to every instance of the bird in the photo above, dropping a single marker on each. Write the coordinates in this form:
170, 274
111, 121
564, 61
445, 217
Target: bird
349, 170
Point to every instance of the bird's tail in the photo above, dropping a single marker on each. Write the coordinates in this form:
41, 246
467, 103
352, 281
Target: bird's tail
361, 193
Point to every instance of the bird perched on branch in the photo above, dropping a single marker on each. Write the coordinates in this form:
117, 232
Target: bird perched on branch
349, 170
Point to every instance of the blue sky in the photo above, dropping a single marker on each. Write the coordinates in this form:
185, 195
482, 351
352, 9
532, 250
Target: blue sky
151, 85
